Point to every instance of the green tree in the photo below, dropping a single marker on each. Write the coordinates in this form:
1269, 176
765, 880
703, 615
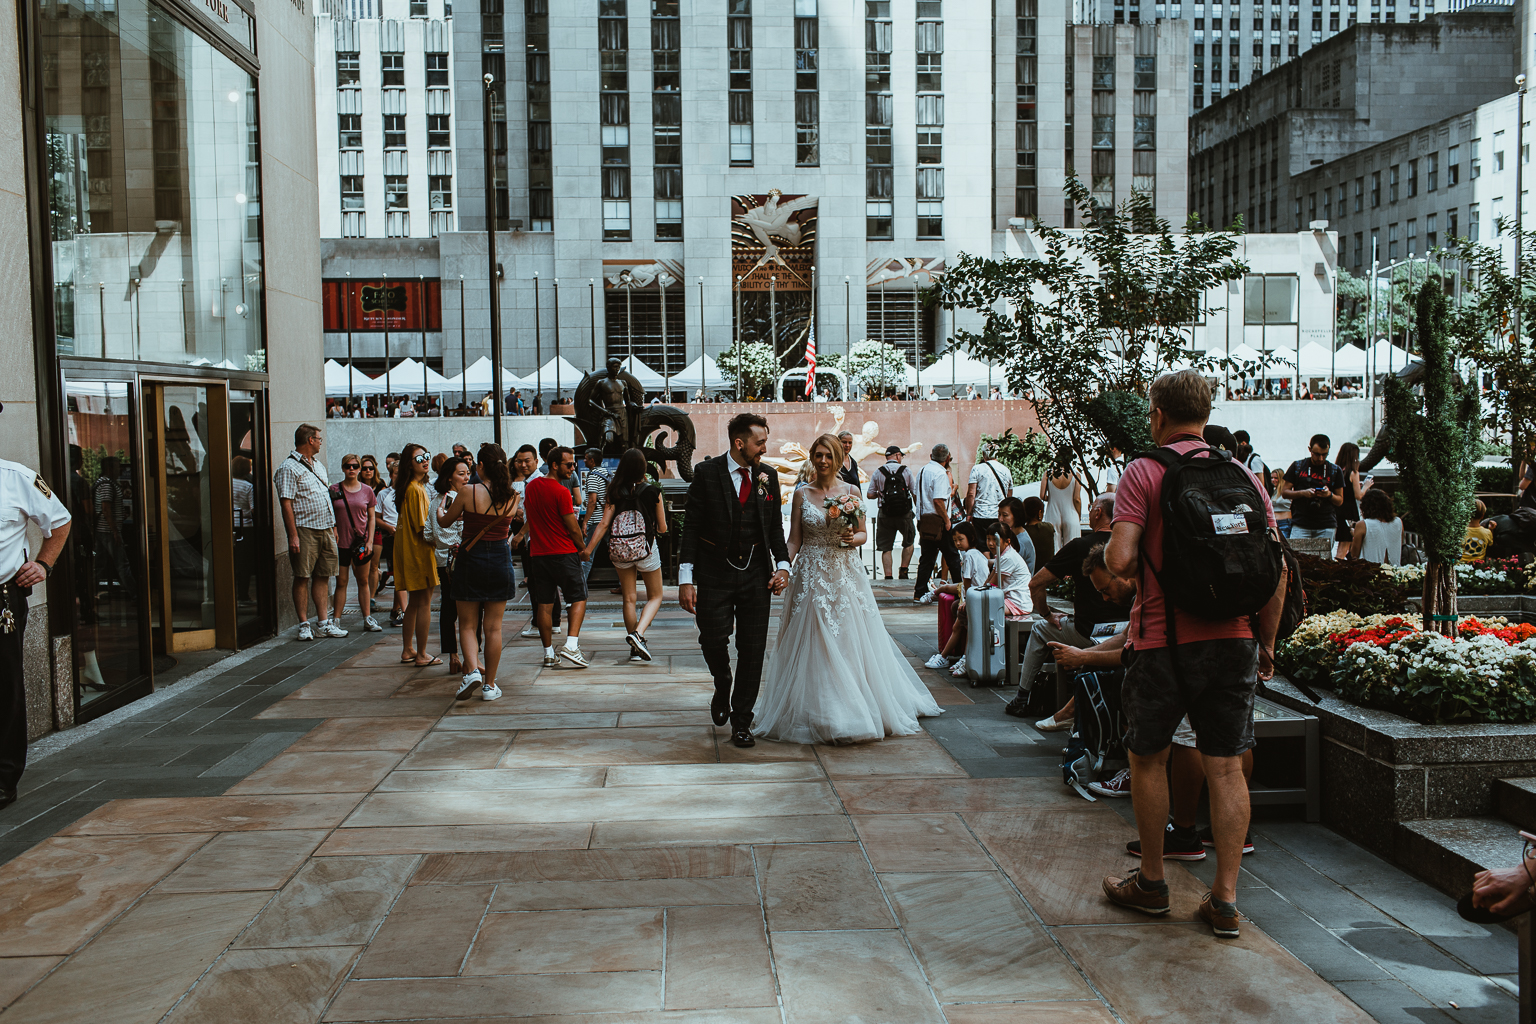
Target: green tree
1396, 295
1027, 458
759, 367
1106, 309
1435, 436
1484, 330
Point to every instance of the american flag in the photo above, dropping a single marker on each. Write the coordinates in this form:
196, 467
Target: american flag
810, 359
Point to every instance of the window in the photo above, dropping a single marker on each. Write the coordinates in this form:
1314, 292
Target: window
354, 224
1375, 189
396, 192
1144, 134
1146, 72
1392, 184
1270, 298
1327, 204
930, 145
440, 191
437, 131
930, 220
1391, 241
394, 131
541, 196
1453, 166
807, 97
1359, 249
346, 69
1432, 172
418, 8
739, 46
393, 68
397, 224
1359, 194
1451, 233
1476, 161
877, 219
1431, 235
437, 69
667, 119
351, 191
351, 130
1413, 237
1413, 178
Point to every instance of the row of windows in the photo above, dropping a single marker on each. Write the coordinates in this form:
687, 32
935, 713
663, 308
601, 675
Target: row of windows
397, 192
392, 69
738, 41
541, 193
350, 131
807, 84
667, 117
613, 101
1401, 185
879, 175
1368, 248
397, 223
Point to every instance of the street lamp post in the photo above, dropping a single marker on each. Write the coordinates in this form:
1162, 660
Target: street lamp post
666, 382
701, 336
346, 307
592, 306
498, 404
557, 340
739, 396
464, 348
421, 311
629, 313
1514, 421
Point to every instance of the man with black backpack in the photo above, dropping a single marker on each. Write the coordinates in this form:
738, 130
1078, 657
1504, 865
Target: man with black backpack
1195, 529
893, 487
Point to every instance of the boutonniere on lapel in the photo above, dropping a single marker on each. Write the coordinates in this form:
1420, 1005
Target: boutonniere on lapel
764, 491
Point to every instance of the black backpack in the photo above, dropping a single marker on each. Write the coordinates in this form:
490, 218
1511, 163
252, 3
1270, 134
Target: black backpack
1098, 733
894, 501
1216, 533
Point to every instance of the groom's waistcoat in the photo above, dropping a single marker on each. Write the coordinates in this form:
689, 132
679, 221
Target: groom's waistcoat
749, 531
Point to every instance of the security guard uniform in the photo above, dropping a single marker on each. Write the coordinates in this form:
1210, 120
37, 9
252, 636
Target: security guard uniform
23, 496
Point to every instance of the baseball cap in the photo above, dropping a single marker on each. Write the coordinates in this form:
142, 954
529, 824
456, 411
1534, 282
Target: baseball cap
892, 449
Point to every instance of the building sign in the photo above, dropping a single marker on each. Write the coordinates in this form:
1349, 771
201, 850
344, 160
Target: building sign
773, 236
230, 17
404, 306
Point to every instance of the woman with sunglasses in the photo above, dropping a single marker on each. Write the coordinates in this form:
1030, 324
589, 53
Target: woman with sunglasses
483, 578
356, 514
415, 563
368, 473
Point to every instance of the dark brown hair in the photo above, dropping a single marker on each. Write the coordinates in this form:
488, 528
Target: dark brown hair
742, 423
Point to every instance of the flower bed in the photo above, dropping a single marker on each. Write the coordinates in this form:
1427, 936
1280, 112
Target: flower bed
1486, 674
1493, 576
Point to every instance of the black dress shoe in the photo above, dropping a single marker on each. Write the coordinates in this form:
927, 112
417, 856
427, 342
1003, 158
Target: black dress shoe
8, 796
743, 738
1018, 707
720, 708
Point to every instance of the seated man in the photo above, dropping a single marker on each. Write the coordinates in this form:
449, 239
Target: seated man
1088, 607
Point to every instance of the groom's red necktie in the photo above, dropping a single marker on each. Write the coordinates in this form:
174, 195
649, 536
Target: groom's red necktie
746, 488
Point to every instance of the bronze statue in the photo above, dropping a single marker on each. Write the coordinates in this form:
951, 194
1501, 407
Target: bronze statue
612, 416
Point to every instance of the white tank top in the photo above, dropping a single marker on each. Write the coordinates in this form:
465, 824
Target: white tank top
1383, 542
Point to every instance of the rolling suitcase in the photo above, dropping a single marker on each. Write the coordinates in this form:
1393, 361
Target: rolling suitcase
947, 604
984, 652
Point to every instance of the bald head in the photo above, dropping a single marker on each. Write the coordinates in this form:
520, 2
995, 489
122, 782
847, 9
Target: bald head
1101, 513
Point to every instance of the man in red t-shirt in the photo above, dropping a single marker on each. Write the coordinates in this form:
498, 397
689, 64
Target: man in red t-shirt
555, 540
1210, 675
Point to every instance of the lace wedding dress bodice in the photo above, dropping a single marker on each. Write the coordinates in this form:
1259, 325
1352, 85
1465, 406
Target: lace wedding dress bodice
835, 676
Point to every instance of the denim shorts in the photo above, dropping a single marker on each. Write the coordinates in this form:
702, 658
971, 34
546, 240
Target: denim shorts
1211, 681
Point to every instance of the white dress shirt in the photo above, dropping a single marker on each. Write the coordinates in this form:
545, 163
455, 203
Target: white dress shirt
24, 497
739, 473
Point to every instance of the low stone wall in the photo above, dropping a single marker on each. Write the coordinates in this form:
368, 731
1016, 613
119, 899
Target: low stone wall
1381, 769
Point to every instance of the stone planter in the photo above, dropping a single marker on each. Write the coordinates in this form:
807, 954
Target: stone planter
1380, 770
1514, 606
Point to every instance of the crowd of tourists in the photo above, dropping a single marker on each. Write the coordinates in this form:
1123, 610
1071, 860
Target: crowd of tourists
448, 525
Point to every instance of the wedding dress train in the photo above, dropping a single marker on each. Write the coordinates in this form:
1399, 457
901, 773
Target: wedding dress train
835, 675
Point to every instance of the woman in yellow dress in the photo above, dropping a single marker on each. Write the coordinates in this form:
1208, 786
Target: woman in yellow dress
415, 562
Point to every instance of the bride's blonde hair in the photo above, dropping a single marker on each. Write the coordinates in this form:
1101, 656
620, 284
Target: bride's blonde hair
835, 447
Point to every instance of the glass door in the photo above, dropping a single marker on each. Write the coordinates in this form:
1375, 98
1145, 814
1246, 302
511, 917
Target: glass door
192, 604
114, 655
255, 608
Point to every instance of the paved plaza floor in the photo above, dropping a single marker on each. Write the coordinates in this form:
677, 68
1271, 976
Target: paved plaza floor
313, 832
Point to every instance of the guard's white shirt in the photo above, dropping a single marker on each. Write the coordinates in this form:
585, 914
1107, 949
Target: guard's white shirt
24, 496
739, 473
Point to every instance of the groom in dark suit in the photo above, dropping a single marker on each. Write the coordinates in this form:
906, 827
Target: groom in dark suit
733, 542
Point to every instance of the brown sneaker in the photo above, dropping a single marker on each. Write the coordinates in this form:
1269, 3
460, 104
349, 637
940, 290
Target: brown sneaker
1221, 917
1127, 892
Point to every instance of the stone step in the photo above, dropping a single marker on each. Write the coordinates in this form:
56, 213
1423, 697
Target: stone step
1447, 852
1515, 799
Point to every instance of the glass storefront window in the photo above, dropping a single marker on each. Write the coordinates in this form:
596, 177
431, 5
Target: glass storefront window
154, 189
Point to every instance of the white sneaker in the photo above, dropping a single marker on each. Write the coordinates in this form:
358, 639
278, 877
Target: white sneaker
555, 631
937, 661
926, 598
959, 670
305, 631
331, 629
575, 656
1049, 724
371, 625
529, 632
490, 691
467, 687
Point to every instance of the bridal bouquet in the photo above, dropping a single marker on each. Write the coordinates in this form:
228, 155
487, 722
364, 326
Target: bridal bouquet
844, 506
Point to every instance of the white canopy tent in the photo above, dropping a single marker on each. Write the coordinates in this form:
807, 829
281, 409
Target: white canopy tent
336, 381
407, 377
701, 373
648, 378
959, 368
477, 377
559, 374
1388, 358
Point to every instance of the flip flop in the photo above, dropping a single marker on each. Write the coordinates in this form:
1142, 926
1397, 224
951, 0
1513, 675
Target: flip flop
409, 659
428, 664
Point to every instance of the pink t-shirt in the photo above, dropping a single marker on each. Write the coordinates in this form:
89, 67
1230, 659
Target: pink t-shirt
1136, 501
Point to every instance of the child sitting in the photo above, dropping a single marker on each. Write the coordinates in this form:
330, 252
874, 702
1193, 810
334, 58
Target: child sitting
973, 573
1474, 547
1011, 572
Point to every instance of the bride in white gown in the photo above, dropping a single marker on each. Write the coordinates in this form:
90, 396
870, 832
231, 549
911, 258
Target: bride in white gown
835, 675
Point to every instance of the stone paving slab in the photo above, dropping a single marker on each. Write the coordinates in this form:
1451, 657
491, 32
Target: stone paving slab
356, 846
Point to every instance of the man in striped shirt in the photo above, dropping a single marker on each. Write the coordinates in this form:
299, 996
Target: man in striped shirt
596, 486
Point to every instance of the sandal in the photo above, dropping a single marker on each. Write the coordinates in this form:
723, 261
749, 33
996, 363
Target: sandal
429, 664
409, 659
